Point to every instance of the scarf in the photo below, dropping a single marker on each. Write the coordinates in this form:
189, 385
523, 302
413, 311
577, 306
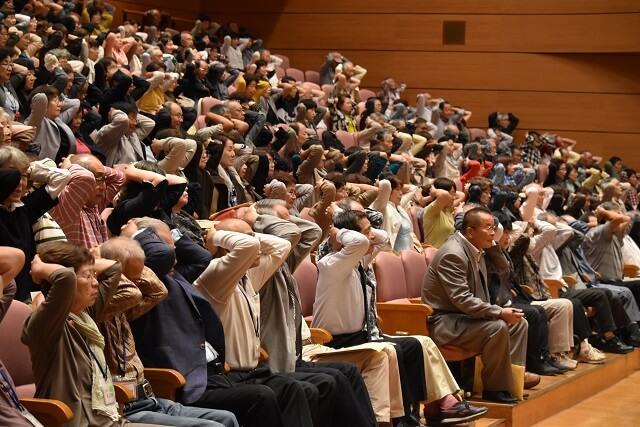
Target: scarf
100, 385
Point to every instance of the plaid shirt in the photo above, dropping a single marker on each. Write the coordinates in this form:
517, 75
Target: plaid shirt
530, 154
81, 223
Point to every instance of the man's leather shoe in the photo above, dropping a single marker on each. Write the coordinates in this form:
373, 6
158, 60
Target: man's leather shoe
541, 367
633, 340
550, 360
531, 380
499, 397
613, 345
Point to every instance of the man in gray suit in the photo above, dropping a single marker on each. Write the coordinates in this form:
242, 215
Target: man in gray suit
456, 287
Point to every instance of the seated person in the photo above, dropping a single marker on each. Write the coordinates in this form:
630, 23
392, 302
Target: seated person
138, 291
455, 286
349, 315
63, 338
12, 413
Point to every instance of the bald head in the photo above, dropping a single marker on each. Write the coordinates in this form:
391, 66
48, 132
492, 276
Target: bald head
234, 224
87, 161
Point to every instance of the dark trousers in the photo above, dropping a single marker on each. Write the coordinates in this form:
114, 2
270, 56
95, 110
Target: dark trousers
581, 325
257, 401
538, 332
320, 391
632, 285
353, 407
600, 300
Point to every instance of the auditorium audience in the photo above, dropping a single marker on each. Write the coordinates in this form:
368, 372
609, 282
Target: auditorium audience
163, 186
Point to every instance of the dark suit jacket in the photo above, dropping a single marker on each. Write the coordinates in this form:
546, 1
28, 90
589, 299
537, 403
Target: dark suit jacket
172, 334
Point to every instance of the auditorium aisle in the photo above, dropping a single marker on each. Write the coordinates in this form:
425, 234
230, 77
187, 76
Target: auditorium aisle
614, 406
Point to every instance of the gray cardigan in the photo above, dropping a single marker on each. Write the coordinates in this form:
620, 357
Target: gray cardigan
47, 135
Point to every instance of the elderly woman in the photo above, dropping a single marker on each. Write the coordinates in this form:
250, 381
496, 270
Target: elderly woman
63, 338
19, 211
52, 116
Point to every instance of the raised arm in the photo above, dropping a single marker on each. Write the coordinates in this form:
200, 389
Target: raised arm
220, 278
273, 253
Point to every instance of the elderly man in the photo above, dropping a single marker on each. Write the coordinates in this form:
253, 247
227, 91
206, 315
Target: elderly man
456, 287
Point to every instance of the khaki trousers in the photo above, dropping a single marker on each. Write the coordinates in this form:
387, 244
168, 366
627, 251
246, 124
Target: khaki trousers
559, 313
378, 366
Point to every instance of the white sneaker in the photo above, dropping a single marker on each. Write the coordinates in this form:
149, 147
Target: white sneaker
588, 354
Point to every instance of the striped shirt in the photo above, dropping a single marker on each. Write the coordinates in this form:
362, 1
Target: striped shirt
80, 221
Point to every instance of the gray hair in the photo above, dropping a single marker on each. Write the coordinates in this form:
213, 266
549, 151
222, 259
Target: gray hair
268, 206
121, 249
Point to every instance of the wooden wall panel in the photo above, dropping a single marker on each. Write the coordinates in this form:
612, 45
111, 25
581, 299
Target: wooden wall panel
547, 110
423, 32
185, 11
504, 71
465, 7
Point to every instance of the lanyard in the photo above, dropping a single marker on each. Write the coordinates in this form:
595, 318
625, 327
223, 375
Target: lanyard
6, 387
104, 371
122, 363
255, 320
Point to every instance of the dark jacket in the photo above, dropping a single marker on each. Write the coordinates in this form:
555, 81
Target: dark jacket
173, 334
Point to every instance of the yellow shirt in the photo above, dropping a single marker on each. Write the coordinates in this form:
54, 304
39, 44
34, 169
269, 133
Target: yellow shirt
151, 101
437, 224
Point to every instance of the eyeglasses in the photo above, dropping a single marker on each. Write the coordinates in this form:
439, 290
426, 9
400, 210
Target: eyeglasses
7, 64
88, 276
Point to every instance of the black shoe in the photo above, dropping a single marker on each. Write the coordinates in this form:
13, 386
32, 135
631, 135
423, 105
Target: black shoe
614, 345
552, 362
633, 340
499, 397
541, 367
461, 412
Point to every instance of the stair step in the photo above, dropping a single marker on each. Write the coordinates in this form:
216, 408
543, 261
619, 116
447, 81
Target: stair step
490, 422
557, 393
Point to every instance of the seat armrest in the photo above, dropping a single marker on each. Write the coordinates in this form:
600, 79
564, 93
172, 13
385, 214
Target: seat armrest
264, 355
320, 336
49, 412
123, 395
415, 300
554, 287
402, 319
631, 270
570, 280
164, 382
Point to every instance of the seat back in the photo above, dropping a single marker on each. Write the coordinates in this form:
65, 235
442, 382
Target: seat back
306, 276
311, 85
366, 94
304, 214
280, 72
415, 267
13, 353
296, 74
285, 60
312, 76
347, 139
390, 277
429, 253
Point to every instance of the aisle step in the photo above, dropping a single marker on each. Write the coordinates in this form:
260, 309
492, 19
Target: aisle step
555, 394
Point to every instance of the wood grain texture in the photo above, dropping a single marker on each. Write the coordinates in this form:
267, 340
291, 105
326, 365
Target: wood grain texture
500, 71
423, 32
431, 6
